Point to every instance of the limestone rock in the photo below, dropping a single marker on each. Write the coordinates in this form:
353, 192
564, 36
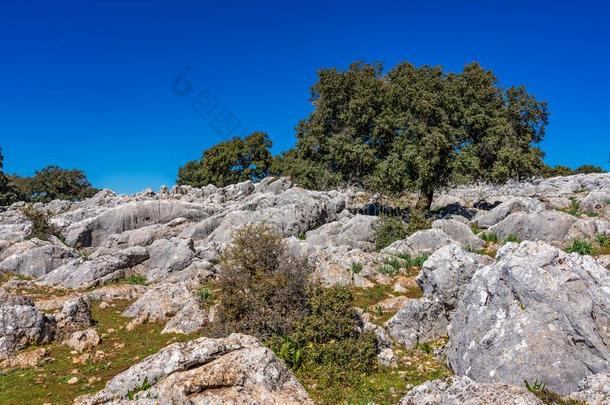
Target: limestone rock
517, 204
237, 369
459, 232
593, 390
35, 257
536, 314
545, 226
462, 390
83, 340
357, 232
421, 242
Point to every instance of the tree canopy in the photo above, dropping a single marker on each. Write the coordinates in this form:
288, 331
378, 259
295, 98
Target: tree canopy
230, 162
419, 128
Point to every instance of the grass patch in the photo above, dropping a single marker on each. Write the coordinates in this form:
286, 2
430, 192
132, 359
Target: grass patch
489, 237
389, 231
512, 238
47, 383
580, 246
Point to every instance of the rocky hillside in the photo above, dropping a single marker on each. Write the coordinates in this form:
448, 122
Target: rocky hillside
101, 300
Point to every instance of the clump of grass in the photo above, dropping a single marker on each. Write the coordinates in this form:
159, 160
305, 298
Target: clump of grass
602, 240
402, 262
489, 237
131, 395
548, 397
136, 279
512, 238
580, 246
387, 270
475, 228
389, 231
206, 296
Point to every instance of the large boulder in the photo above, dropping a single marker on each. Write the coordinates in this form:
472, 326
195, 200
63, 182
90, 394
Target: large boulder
421, 242
463, 390
167, 256
357, 232
545, 226
593, 390
459, 232
236, 370
536, 314
35, 258
133, 215
21, 324
516, 204
105, 266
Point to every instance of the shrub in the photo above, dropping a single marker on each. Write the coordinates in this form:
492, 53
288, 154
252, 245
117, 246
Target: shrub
41, 227
581, 247
206, 296
389, 231
548, 397
475, 228
264, 288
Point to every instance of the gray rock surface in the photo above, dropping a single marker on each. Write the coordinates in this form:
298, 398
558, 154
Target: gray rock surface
237, 369
357, 232
593, 390
536, 314
35, 257
86, 272
421, 242
546, 226
459, 232
168, 256
517, 204
464, 391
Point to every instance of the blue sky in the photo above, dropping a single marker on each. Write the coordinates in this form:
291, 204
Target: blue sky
88, 84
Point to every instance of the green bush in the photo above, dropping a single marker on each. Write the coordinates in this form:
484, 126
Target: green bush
206, 296
264, 287
41, 227
602, 240
390, 230
136, 279
417, 222
581, 247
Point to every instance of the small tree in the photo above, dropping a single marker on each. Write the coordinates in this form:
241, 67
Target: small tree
230, 162
8, 194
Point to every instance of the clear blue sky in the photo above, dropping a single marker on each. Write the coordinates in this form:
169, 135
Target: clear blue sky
88, 84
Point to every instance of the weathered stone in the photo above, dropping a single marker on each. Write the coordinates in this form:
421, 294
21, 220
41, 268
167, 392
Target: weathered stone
513, 205
462, 390
168, 256
459, 232
160, 303
83, 340
419, 321
237, 369
35, 257
421, 242
536, 314
545, 226
593, 390
84, 272
357, 232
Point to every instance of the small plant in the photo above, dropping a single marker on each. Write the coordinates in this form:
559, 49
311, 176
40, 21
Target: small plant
602, 240
425, 347
291, 354
136, 279
395, 263
131, 395
581, 247
417, 222
489, 237
387, 270
475, 228
548, 397
574, 208
206, 296
356, 268
41, 227
389, 231
512, 238
535, 387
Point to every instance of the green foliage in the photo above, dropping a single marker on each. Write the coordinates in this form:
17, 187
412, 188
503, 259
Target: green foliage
230, 162
548, 397
206, 296
41, 227
417, 222
307, 174
489, 237
390, 230
136, 279
581, 247
8, 193
419, 127
475, 228
559, 170
52, 183
264, 287
131, 395
512, 238
602, 240
290, 352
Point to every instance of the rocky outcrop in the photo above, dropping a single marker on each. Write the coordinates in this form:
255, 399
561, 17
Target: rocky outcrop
593, 390
536, 314
524, 205
421, 242
443, 279
105, 265
463, 390
357, 232
35, 258
459, 232
237, 369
